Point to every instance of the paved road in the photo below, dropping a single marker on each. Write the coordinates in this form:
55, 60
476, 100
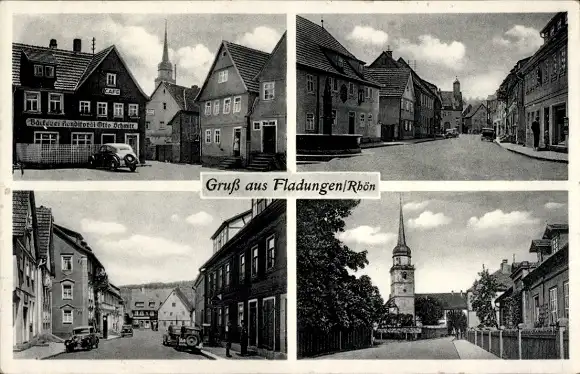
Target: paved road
144, 345
156, 171
431, 349
463, 158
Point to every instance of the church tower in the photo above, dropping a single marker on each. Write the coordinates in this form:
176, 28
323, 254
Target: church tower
403, 273
165, 69
456, 87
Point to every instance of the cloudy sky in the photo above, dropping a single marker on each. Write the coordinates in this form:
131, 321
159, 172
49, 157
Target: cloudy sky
144, 236
451, 234
480, 49
193, 38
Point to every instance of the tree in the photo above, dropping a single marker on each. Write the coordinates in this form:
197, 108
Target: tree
456, 321
328, 295
428, 310
513, 309
100, 284
484, 292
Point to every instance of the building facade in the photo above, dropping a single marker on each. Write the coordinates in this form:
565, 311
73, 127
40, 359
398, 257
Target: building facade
199, 303
476, 119
245, 279
45, 271
145, 305
545, 86
452, 108
177, 310
511, 92
352, 99
67, 102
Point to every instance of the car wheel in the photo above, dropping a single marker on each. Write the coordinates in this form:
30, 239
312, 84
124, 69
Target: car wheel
91, 163
113, 165
191, 341
133, 168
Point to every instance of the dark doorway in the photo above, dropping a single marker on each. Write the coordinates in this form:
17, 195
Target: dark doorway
190, 152
559, 128
237, 142
105, 331
269, 139
253, 326
351, 122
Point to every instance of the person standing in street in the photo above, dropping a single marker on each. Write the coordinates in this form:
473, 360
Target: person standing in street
229, 338
536, 132
244, 339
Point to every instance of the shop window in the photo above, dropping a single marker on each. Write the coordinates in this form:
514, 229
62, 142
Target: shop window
309, 83
32, 101
254, 261
81, 138
268, 89
227, 105
84, 107
133, 110
102, 109
118, 110
309, 122
45, 137
111, 79
237, 104
270, 252
217, 136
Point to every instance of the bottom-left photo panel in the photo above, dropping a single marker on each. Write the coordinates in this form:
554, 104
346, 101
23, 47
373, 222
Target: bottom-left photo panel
148, 275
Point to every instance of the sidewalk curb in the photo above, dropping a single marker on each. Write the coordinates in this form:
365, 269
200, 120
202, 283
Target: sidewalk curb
210, 355
387, 144
52, 355
532, 156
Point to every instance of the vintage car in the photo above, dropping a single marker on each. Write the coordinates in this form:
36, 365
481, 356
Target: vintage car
189, 339
83, 337
126, 330
451, 133
114, 156
488, 134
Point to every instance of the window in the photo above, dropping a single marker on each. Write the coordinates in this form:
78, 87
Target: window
255, 261
101, 109
67, 291
66, 263
217, 135
170, 313
111, 79
38, 70
49, 71
220, 316
222, 76
553, 305
566, 300
161, 124
404, 275
555, 243
118, 110
268, 90
67, 316
309, 122
362, 120
164, 106
370, 119
219, 278
147, 125
207, 108
152, 304
271, 252
309, 84
256, 125
334, 119
351, 88
82, 138
335, 84
227, 314
562, 60
139, 304
242, 269
133, 110
228, 275
85, 107
32, 101
240, 313
227, 105
173, 305
207, 136
237, 104
55, 103
216, 107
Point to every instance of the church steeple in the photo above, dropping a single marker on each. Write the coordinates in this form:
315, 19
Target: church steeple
401, 248
165, 68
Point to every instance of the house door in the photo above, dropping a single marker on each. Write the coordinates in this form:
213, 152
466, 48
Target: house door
351, 122
546, 124
269, 323
24, 324
269, 138
133, 141
105, 331
253, 325
237, 141
559, 129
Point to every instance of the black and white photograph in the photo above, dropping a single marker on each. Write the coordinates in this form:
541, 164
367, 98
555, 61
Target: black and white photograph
151, 96
147, 276
433, 96
434, 276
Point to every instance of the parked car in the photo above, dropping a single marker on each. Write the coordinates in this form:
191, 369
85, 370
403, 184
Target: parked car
451, 133
114, 156
189, 339
82, 337
126, 330
488, 134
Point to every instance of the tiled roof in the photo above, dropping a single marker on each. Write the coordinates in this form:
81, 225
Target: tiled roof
44, 219
20, 202
448, 101
502, 279
70, 65
157, 295
184, 96
393, 80
185, 296
95, 61
248, 61
311, 43
473, 110
448, 300
42, 56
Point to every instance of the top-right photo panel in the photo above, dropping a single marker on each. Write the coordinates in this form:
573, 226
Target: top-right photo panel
433, 96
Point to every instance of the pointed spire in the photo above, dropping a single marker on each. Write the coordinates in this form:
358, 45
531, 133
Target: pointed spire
401, 240
165, 47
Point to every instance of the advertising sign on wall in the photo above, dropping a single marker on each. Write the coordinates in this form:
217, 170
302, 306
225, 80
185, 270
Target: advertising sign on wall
79, 124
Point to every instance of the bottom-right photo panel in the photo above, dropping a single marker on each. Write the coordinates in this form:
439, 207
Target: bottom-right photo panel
434, 275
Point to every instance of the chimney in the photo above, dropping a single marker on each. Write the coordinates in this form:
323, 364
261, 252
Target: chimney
52, 43
389, 52
77, 45
505, 267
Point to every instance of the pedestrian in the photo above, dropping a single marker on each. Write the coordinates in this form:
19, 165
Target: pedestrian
244, 339
229, 338
183, 330
170, 329
536, 132
236, 146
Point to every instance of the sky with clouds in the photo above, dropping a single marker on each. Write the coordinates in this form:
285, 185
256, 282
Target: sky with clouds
480, 49
193, 38
143, 236
451, 234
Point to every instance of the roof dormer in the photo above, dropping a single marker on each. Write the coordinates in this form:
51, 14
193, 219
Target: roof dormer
38, 68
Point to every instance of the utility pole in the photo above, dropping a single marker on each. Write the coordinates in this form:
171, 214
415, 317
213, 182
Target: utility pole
93, 45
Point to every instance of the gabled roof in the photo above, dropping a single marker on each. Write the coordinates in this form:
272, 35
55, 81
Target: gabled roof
448, 300
393, 80
45, 220
228, 221
474, 110
248, 62
20, 202
502, 279
280, 42
183, 96
187, 302
76, 240
157, 296
310, 30
559, 227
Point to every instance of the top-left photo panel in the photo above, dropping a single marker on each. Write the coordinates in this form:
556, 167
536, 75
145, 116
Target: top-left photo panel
120, 97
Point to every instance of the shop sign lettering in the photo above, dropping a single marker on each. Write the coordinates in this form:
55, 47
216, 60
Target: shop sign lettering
79, 124
112, 91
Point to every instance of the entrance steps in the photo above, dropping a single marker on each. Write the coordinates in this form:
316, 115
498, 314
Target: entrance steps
231, 162
262, 162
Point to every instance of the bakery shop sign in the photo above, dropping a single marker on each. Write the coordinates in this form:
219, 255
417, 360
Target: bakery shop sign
79, 124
